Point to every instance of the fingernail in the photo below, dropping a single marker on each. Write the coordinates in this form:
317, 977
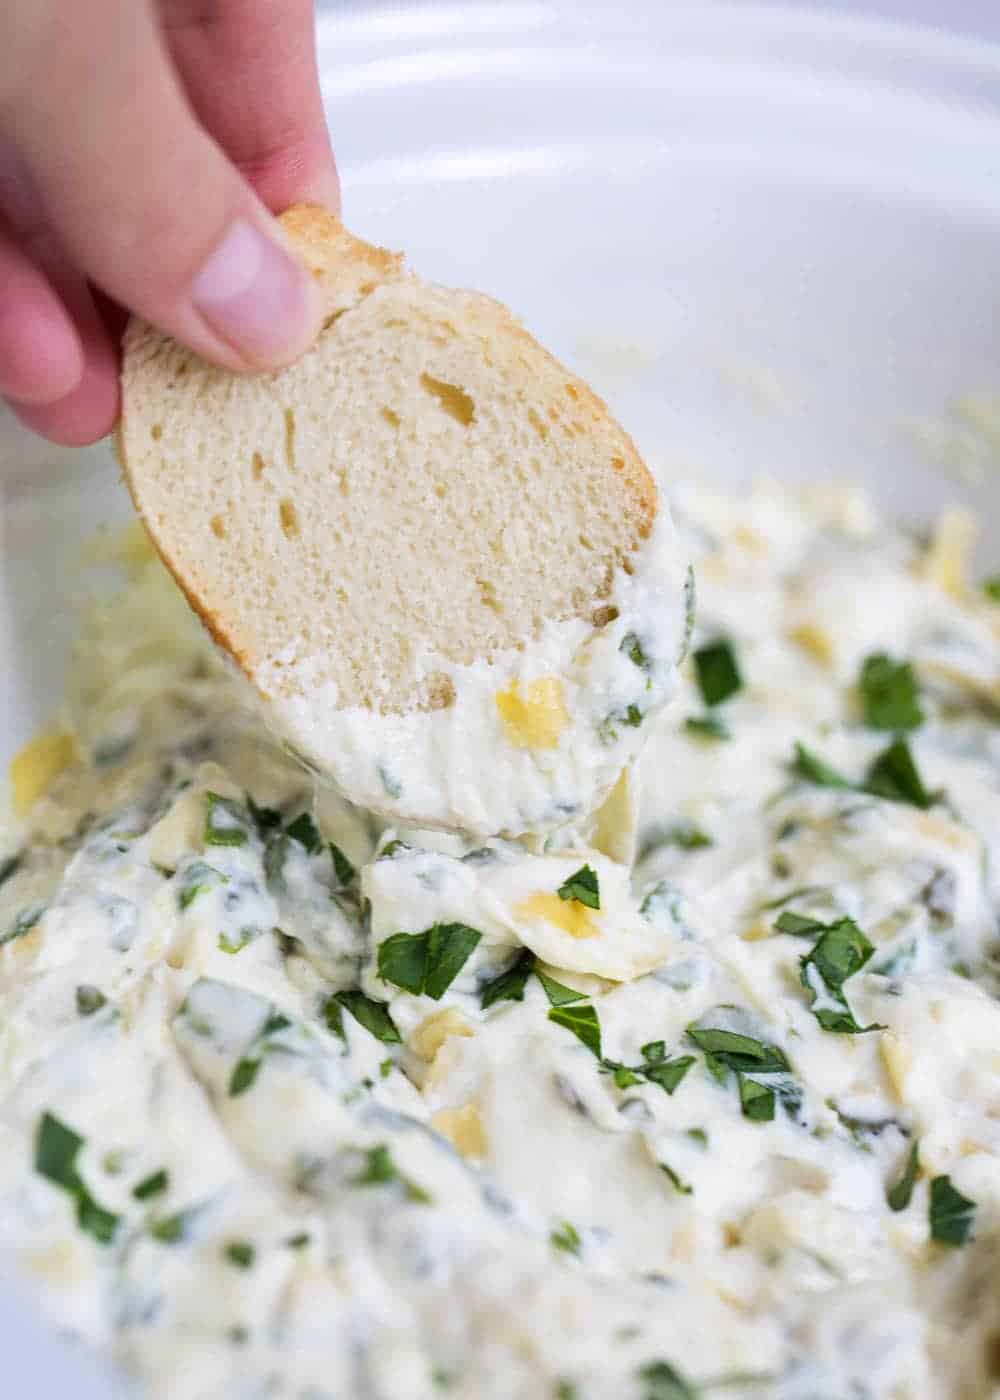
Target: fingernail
256, 297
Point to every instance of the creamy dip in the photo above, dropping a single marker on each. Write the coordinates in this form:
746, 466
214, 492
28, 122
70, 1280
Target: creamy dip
697, 1097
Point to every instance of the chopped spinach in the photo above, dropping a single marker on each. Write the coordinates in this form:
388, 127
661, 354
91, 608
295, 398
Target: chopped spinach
427, 963
510, 985
840, 952
814, 769
582, 887
717, 672
153, 1185
889, 694
57, 1148
240, 1253
557, 994
951, 1214
373, 1015
582, 1021
894, 775
660, 1381
707, 727
303, 830
342, 867
566, 1237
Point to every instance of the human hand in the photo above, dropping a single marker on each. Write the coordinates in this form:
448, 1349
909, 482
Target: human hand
142, 144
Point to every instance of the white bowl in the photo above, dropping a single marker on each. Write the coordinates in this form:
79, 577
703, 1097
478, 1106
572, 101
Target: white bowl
769, 236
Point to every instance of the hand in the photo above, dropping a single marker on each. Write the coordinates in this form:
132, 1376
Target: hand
142, 144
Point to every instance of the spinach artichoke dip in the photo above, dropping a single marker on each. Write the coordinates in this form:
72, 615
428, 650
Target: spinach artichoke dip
699, 1098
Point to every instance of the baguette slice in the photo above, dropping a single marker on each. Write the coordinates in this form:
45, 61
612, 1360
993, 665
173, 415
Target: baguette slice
423, 515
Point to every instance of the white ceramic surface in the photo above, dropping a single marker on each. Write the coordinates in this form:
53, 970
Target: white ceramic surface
770, 236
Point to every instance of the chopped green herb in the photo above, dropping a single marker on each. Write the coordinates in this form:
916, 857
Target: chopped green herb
842, 951
391, 849
707, 727
89, 999
566, 1238
565, 1390
298, 1241
303, 830
951, 1213
240, 1253
738, 1052
681, 1187
153, 1185
756, 1099
889, 696
427, 963
582, 887
225, 823
171, 1229
25, 921
57, 1148
582, 1021
661, 1382
632, 648
380, 1169
373, 1015
798, 925
265, 819
894, 775
991, 587
196, 879
244, 1075
898, 1196
342, 867
557, 994
9, 868
717, 672
667, 1074
814, 769
510, 985
236, 945
698, 1136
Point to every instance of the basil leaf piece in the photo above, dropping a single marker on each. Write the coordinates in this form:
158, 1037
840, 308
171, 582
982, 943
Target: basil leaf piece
427, 963
566, 1238
240, 1253
380, 1169
898, 1196
707, 727
373, 1015
557, 994
9, 868
171, 1229
717, 672
225, 822
244, 1075
667, 1074
303, 830
582, 887
89, 999
661, 1382
681, 1187
842, 951
991, 587
814, 769
738, 1052
756, 1099
888, 691
951, 1214
632, 648
56, 1150
895, 776
510, 985
798, 925
342, 867
153, 1185
583, 1022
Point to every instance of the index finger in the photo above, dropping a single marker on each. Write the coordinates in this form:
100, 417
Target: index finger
249, 68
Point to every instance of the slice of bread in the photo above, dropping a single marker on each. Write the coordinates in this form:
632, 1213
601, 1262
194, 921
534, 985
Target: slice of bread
426, 480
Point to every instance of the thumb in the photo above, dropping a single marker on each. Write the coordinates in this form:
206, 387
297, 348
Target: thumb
142, 199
